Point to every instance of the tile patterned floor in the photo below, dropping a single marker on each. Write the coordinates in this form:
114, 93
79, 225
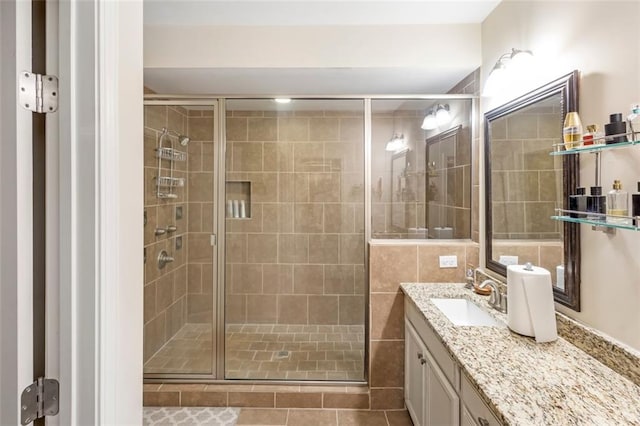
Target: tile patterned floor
295, 352
191, 416
266, 351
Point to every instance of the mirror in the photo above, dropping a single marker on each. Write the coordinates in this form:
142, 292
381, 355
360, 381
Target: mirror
524, 184
399, 190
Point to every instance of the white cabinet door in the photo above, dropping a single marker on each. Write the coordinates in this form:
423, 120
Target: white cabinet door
442, 402
414, 378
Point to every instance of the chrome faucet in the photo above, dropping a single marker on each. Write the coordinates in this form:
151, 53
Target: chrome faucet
498, 299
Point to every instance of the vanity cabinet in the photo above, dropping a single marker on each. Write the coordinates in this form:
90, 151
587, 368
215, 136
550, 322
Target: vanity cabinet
435, 392
430, 398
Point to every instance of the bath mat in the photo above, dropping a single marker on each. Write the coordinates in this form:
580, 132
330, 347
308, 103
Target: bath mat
190, 416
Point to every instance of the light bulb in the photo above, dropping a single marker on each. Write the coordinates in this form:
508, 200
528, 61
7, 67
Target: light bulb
283, 100
442, 115
429, 122
521, 60
496, 79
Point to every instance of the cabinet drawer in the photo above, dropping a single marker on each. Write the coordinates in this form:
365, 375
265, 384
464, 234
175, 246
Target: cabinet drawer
480, 413
435, 347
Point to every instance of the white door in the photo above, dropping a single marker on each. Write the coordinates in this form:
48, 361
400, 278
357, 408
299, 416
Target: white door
16, 237
93, 162
415, 379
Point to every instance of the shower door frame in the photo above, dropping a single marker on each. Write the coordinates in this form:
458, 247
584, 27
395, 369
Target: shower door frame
219, 255
217, 353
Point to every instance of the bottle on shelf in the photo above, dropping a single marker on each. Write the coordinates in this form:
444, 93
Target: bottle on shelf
578, 203
618, 205
597, 204
635, 207
616, 126
572, 130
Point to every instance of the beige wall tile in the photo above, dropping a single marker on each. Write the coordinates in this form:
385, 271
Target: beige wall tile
293, 129
200, 128
208, 157
277, 279
352, 130
246, 278
323, 310
352, 248
293, 248
200, 187
199, 308
237, 129
164, 288
262, 248
263, 129
308, 157
262, 309
236, 248
292, 309
391, 265
194, 278
339, 279
308, 218
247, 157
351, 309
323, 248
155, 116
154, 334
308, 279
324, 187
324, 129
387, 364
200, 250
387, 316
235, 309
264, 187
149, 302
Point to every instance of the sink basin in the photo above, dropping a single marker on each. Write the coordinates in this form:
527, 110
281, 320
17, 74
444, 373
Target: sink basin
465, 312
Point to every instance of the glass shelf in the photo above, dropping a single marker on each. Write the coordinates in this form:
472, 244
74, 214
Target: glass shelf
564, 217
559, 148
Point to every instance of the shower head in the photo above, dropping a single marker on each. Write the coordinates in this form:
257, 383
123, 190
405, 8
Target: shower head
184, 140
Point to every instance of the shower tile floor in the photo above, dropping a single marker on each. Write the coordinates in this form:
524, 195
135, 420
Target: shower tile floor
267, 351
295, 352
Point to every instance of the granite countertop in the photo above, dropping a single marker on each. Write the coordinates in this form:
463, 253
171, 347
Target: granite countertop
524, 382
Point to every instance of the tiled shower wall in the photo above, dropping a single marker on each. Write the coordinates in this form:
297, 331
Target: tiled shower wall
165, 290
181, 292
299, 259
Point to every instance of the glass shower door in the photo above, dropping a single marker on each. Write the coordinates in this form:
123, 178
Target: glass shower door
179, 284
294, 240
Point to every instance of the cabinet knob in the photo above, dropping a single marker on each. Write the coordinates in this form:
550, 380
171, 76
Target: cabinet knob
420, 356
482, 421
423, 361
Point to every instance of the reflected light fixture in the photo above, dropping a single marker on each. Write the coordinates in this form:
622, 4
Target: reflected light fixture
283, 100
437, 116
396, 144
508, 64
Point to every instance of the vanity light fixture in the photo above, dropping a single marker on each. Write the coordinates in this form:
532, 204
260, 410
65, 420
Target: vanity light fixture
516, 61
283, 100
437, 116
396, 144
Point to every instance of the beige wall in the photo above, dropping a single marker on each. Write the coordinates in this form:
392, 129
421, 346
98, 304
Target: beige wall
299, 259
600, 39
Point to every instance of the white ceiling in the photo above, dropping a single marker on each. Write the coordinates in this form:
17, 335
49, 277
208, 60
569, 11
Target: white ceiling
315, 12
310, 81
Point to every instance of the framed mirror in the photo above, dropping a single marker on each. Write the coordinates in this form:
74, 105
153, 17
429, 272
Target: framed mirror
524, 184
398, 189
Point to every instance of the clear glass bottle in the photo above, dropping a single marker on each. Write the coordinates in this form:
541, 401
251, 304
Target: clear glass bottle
618, 205
572, 130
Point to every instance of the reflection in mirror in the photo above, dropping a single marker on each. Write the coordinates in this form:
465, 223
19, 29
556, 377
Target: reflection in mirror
525, 184
421, 187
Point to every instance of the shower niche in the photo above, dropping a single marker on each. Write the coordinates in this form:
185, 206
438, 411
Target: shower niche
238, 199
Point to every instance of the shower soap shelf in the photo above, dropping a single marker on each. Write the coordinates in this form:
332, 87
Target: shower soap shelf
171, 154
170, 182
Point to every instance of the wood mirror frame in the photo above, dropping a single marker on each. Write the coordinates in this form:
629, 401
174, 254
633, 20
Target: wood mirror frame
567, 88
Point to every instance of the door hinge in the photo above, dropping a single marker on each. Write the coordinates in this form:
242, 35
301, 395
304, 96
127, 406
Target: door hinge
214, 240
37, 92
39, 399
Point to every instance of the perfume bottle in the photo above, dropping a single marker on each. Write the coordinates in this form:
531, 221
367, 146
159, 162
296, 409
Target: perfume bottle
597, 204
618, 205
635, 207
572, 130
616, 126
578, 203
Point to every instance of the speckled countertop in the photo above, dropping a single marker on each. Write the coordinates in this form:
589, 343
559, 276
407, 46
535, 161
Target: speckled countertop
526, 383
